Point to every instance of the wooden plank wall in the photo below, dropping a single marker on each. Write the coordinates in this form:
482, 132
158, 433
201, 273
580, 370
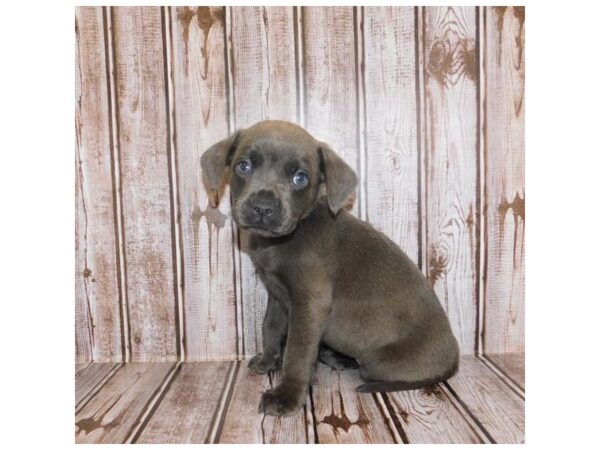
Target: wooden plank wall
425, 103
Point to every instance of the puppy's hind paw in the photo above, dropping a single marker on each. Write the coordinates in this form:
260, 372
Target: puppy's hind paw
335, 360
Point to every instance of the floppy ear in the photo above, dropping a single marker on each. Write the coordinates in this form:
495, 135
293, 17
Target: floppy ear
214, 162
340, 179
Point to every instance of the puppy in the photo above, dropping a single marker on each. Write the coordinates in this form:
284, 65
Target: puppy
339, 290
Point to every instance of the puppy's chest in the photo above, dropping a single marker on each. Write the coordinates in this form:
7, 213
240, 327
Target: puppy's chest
269, 268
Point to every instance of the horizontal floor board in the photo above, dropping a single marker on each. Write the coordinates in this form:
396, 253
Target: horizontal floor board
217, 401
243, 424
185, 414
496, 407
111, 415
89, 378
80, 367
511, 364
428, 416
342, 415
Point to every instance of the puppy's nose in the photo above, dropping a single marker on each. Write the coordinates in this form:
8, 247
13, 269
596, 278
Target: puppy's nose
260, 211
263, 204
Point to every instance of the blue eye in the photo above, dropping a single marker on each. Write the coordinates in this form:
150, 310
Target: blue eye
243, 167
300, 179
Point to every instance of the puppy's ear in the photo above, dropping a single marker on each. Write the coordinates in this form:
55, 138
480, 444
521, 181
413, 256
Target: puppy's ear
214, 163
340, 179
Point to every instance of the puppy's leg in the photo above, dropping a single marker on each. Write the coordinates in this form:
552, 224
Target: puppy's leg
306, 325
274, 329
336, 360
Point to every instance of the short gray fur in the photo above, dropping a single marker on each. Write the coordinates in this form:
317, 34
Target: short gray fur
339, 291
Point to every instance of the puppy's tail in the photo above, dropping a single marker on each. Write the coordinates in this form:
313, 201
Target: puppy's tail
391, 386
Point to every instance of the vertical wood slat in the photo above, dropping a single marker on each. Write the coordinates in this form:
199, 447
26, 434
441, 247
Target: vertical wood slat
330, 80
99, 330
451, 112
201, 119
143, 142
264, 87
503, 320
392, 162
504, 285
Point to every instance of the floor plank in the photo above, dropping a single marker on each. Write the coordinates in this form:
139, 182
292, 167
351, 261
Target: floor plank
185, 415
512, 365
89, 378
80, 367
111, 415
342, 415
499, 410
428, 416
244, 425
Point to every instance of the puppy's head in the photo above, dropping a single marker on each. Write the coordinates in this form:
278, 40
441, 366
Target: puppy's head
276, 171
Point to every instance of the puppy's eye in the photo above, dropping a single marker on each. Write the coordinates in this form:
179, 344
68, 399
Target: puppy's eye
243, 167
300, 179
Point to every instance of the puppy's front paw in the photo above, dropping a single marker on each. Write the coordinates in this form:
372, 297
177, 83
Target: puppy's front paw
262, 364
281, 401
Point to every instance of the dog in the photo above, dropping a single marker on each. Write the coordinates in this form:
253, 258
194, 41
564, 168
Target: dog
338, 290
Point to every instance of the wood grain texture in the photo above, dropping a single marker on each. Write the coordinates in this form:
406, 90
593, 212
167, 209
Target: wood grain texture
451, 80
330, 81
98, 333
111, 415
392, 158
504, 141
185, 414
88, 379
497, 408
343, 416
511, 364
79, 368
264, 87
397, 114
244, 425
146, 200
427, 416
201, 119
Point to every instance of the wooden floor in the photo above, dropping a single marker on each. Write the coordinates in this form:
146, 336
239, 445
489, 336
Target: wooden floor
216, 401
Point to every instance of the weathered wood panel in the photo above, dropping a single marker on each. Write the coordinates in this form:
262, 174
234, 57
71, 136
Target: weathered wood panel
144, 162
497, 408
343, 416
330, 80
512, 365
392, 158
229, 70
98, 333
80, 368
201, 119
244, 425
504, 325
263, 69
427, 416
111, 415
185, 414
88, 379
451, 80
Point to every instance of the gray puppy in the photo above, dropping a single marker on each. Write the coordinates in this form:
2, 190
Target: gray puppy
339, 290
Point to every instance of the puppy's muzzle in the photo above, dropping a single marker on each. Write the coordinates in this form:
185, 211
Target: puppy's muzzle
263, 210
